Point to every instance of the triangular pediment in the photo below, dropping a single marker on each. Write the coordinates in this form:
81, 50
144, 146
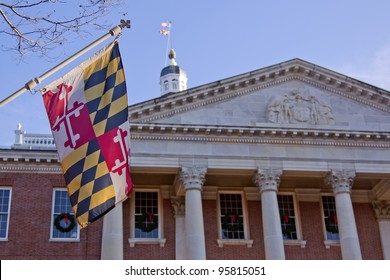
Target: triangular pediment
293, 94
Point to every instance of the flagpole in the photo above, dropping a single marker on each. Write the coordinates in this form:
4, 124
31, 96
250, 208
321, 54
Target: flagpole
169, 44
34, 82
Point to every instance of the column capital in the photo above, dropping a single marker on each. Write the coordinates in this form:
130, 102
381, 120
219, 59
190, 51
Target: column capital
340, 181
193, 177
178, 205
382, 209
267, 179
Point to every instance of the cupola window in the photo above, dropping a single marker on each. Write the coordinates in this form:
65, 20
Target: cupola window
174, 84
166, 85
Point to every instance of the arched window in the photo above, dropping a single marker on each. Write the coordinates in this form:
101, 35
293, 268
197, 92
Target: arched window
175, 84
166, 85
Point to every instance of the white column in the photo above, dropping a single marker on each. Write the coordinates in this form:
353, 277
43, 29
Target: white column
180, 228
341, 183
268, 183
382, 211
112, 237
192, 179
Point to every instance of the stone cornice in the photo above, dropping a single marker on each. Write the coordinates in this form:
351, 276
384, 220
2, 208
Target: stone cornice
247, 83
31, 156
29, 161
260, 135
360, 96
31, 169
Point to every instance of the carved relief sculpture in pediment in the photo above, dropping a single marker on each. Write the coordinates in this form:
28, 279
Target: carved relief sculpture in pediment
297, 108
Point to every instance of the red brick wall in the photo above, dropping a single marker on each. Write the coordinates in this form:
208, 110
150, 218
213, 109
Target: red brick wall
367, 227
311, 228
368, 231
30, 218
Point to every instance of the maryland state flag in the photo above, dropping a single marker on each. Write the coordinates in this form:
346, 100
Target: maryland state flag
87, 110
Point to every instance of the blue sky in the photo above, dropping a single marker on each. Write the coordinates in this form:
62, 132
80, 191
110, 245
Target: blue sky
214, 40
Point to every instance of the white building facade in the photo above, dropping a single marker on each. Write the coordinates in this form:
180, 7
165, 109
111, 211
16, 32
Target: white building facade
291, 161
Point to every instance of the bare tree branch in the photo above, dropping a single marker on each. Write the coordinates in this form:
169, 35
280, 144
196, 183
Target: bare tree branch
39, 26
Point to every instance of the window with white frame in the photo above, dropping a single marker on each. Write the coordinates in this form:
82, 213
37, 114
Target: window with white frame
175, 84
5, 206
146, 215
288, 219
63, 225
166, 85
146, 218
231, 216
330, 218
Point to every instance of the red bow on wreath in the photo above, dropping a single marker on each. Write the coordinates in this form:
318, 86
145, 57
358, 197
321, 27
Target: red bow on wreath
69, 222
232, 222
150, 216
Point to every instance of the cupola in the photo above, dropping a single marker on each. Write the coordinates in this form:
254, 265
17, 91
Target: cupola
172, 78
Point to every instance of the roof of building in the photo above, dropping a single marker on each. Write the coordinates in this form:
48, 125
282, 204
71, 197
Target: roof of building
172, 68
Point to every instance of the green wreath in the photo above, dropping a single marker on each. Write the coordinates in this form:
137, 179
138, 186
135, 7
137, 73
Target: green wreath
330, 225
70, 224
140, 222
229, 224
288, 226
